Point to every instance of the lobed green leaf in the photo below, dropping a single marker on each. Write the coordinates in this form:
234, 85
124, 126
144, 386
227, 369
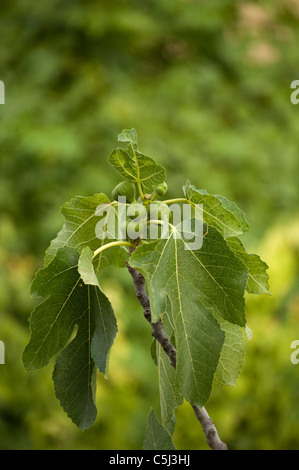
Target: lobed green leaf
258, 279
79, 230
76, 325
134, 166
200, 284
105, 322
218, 211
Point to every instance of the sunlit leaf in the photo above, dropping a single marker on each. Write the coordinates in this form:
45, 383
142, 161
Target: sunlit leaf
218, 211
258, 279
232, 353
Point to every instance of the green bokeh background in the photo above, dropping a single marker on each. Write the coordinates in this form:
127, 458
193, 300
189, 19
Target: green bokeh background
206, 84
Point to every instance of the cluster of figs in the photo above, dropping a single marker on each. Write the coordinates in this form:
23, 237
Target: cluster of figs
140, 211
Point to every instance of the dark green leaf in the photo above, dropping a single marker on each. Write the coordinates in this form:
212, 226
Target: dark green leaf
64, 326
134, 166
170, 397
232, 353
105, 322
156, 436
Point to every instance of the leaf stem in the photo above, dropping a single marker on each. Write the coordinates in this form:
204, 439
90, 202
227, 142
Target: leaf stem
110, 245
140, 189
158, 222
183, 199
179, 199
116, 203
138, 174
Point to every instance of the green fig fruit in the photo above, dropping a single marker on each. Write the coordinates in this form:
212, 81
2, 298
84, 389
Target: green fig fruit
124, 189
161, 189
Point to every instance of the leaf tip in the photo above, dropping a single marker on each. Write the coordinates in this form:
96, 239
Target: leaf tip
128, 135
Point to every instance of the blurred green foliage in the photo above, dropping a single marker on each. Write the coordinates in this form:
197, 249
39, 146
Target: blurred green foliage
206, 84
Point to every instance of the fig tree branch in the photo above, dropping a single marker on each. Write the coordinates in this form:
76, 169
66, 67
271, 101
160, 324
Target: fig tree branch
209, 428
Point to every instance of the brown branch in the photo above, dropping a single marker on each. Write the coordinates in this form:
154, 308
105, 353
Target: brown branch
201, 414
209, 429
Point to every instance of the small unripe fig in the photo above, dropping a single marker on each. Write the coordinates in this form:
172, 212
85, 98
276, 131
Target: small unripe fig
161, 189
124, 189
